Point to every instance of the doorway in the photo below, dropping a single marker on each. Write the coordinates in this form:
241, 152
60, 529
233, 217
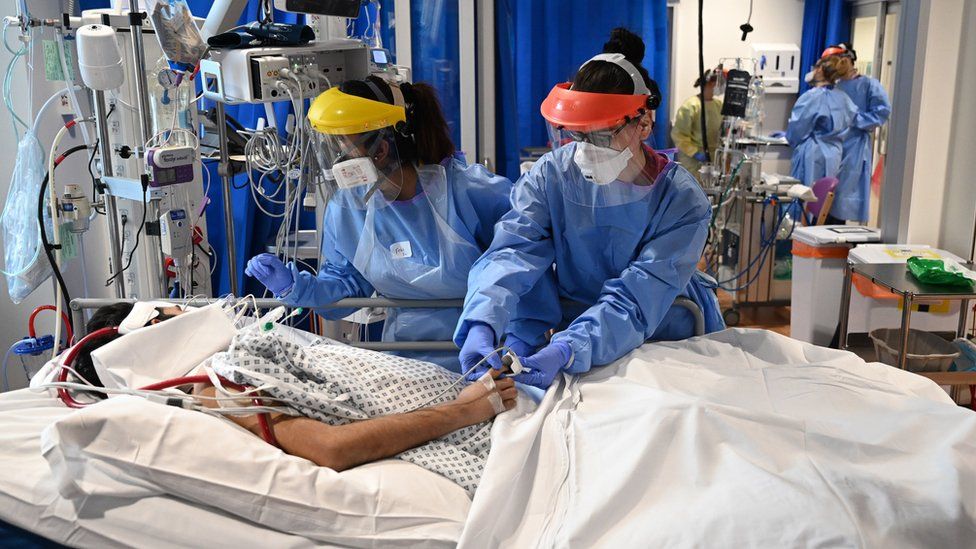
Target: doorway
874, 36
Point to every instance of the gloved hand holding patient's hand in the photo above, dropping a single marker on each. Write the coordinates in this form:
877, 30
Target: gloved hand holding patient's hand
542, 367
488, 397
270, 271
479, 344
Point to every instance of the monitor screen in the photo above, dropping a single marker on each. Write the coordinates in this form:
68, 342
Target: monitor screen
379, 57
337, 8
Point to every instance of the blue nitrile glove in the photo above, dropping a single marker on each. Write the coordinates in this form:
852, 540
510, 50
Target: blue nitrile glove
542, 367
271, 272
519, 347
777, 135
479, 344
700, 156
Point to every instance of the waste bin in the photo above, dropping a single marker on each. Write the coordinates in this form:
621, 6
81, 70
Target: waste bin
819, 258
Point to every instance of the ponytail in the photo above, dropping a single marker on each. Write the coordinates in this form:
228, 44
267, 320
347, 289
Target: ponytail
427, 124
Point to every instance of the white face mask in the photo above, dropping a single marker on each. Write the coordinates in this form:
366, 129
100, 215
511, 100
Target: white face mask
601, 165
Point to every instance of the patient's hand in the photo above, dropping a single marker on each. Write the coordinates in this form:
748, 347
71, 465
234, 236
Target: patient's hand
476, 399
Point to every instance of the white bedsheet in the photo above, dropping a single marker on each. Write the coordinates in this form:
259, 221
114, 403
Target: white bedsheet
29, 498
743, 438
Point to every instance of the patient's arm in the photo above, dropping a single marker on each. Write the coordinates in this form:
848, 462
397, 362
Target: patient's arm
345, 446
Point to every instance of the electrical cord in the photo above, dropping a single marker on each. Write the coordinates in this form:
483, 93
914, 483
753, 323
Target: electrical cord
701, 77
91, 161
135, 246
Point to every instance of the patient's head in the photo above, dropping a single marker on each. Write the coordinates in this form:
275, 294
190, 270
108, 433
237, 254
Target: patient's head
111, 316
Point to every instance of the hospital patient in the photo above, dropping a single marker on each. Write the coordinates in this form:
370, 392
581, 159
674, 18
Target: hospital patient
354, 443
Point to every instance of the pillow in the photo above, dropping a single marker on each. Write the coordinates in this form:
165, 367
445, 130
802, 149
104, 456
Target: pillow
130, 447
165, 350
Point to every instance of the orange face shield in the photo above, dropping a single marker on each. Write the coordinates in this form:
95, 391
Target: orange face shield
587, 112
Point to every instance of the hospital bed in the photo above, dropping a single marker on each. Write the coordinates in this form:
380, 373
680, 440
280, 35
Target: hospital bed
740, 438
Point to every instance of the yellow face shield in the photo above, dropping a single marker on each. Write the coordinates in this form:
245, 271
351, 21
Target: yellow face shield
336, 113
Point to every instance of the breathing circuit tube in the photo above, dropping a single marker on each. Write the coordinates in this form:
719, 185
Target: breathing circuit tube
69, 334
40, 219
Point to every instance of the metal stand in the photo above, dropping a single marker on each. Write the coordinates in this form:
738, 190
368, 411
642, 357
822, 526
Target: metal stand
223, 168
154, 266
111, 212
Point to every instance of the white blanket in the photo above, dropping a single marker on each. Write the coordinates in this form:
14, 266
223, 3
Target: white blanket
743, 438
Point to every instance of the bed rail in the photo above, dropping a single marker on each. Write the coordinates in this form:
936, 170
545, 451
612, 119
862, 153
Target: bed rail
80, 305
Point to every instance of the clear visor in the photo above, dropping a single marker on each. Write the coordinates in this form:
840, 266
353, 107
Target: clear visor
364, 168
617, 138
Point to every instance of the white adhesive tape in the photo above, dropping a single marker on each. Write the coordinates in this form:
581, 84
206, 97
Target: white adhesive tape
496, 402
487, 381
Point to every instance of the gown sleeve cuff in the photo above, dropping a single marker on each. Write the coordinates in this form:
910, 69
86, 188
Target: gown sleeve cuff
582, 352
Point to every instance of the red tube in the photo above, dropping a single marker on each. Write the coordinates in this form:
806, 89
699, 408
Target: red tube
264, 419
69, 333
63, 393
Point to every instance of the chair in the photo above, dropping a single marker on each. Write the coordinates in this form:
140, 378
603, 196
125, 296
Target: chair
824, 189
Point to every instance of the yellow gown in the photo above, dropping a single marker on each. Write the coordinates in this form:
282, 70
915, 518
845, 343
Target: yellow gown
686, 131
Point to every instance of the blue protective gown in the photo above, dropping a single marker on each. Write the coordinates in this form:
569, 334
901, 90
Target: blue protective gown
816, 129
873, 109
471, 201
624, 261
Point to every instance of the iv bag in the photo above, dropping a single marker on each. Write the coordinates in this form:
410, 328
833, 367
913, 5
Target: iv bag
24, 264
176, 31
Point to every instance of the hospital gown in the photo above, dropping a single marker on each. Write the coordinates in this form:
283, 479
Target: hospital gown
339, 384
687, 135
818, 123
873, 108
623, 262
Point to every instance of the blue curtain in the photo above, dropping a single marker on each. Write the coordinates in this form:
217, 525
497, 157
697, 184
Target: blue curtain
825, 22
543, 42
434, 40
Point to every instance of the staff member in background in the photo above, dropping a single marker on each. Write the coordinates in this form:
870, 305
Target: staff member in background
686, 131
818, 123
622, 225
407, 219
873, 108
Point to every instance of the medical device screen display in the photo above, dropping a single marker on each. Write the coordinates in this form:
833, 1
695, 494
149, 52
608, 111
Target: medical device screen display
337, 8
164, 176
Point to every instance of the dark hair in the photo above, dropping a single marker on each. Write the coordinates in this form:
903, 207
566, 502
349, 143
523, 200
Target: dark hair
105, 317
425, 138
606, 77
711, 75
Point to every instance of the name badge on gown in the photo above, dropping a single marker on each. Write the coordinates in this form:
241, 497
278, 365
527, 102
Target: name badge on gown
401, 250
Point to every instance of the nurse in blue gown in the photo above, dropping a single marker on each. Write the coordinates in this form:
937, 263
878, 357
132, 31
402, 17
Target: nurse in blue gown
621, 227
818, 123
873, 108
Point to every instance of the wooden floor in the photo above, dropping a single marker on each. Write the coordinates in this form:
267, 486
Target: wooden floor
775, 319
